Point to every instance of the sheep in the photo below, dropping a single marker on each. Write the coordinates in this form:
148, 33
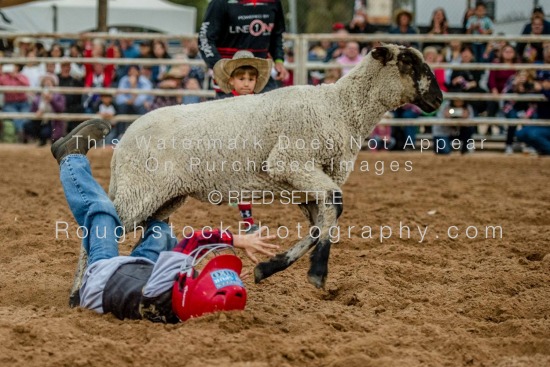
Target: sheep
152, 180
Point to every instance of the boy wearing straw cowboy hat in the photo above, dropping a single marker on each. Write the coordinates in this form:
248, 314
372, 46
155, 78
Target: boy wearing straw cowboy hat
243, 74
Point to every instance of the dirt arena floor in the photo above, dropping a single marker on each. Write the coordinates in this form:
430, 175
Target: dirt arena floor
400, 302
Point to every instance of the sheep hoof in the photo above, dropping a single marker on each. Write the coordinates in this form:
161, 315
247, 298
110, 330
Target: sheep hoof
258, 274
317, 280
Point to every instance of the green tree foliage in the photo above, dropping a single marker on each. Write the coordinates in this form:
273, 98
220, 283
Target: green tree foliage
199, 4
317, 16
314, 16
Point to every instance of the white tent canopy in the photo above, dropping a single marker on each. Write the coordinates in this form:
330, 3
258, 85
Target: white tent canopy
81, 15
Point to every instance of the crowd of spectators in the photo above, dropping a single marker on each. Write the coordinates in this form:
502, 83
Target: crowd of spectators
345, 53
68, 73
497, 82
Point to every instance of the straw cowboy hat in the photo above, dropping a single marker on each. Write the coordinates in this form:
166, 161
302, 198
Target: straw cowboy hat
400, 12
19, 40
174, 73
225, 67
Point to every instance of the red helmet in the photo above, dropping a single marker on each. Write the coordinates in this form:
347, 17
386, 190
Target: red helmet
216, 288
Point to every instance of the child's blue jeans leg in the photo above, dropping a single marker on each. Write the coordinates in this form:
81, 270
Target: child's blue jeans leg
91, 207
157, 237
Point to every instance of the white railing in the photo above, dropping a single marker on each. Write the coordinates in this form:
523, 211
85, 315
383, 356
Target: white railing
301, 67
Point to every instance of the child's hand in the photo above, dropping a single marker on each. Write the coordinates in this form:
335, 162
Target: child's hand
252, 243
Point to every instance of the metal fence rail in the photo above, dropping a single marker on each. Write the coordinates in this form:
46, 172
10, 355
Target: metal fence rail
301, 67
384, 121
212, 94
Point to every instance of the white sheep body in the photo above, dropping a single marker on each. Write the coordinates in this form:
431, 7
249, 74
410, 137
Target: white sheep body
325, 114
343, 114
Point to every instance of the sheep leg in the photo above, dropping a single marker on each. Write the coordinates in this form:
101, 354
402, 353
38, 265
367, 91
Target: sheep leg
282, 261
328, 218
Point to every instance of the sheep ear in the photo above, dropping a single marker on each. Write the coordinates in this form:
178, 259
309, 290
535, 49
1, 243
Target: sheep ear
382, 54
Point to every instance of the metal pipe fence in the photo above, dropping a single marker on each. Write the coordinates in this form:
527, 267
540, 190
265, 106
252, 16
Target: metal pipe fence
301, 67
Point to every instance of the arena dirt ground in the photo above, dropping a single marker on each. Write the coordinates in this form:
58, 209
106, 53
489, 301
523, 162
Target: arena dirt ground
442, 302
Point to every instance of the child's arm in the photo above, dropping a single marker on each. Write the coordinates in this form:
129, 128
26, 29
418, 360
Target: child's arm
250, 243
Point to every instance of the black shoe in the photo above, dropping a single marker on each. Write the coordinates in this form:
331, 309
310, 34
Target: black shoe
95, 129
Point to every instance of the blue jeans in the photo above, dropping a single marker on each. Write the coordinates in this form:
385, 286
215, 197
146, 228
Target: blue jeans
478, 50
17, 107
93, 210
536, 136
409, 132
442, 144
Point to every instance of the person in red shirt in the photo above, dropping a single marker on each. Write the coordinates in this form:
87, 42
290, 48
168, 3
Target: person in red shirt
15, 101
243, 74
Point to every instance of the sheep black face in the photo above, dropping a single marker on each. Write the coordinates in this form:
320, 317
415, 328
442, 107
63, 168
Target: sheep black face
410, 63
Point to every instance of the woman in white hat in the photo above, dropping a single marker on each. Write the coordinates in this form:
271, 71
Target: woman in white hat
42, 128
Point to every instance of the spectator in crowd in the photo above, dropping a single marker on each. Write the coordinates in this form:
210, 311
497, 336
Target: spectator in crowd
120, 70
40, 49
452, 55
75, 51
350, 57
538, 137
172, 80
521, 82
129, 50
443, 134
49, 68
96, 49
42, 128
479, 24
317, 52
23, 45
360, 25
98, 78
73, 102
467, 14
405, 136
108, 110
159, 52
147, 72
56, 51
289, 81
15, 101
499, 78
532, 51
438, 26
468, 81
193, 85
192, 53
337, 48
431, 56
145, 50
129, 104
403, 21
539, 12
265, 38
33, 70
332, 76
493, 50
